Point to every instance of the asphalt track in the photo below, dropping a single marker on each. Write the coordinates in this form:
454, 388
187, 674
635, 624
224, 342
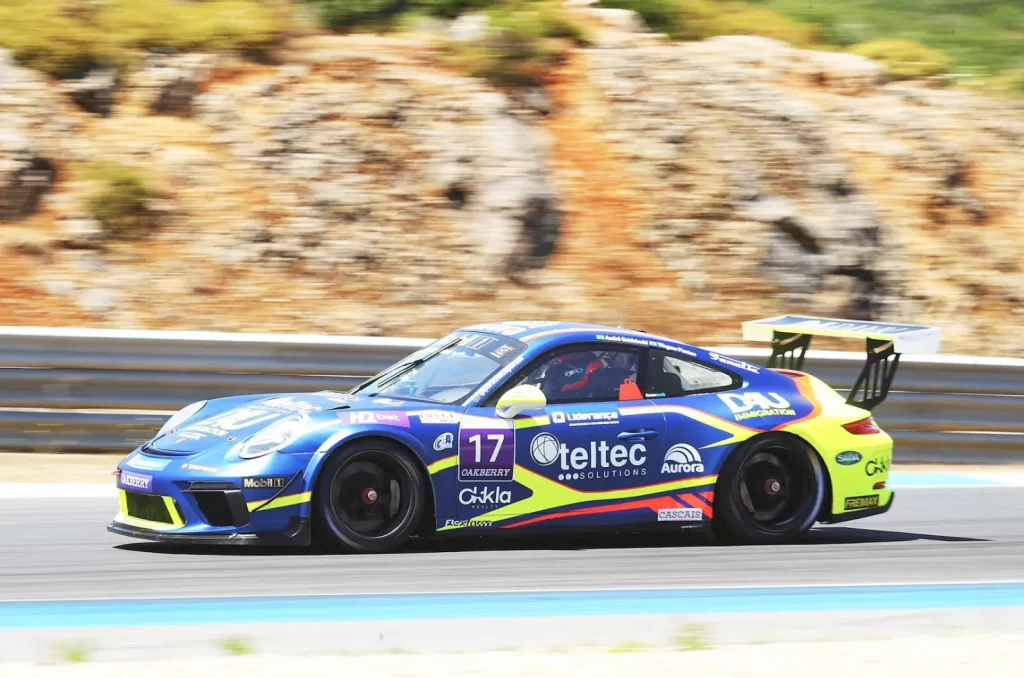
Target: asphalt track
59, 549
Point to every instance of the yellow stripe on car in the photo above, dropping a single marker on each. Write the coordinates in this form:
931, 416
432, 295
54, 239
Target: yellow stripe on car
280, 502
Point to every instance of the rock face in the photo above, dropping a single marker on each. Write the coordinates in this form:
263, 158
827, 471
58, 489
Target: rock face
735, 159
171, 83
361, 186
24, 175
375, 153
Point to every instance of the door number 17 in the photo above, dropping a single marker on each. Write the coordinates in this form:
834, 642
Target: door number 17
497, 438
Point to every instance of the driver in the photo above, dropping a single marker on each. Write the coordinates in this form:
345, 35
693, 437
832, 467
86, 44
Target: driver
573, 373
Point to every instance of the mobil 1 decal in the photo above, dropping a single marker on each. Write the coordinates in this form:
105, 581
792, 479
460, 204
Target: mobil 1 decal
487, 450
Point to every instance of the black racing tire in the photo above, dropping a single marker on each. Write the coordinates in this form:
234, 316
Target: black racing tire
370, 496
769, 491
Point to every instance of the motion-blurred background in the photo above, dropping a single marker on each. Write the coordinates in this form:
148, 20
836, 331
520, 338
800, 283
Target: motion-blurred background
402, 167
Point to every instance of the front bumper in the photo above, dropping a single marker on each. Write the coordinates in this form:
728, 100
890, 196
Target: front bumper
296, 534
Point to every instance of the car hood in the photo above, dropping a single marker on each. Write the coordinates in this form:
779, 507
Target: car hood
225, 422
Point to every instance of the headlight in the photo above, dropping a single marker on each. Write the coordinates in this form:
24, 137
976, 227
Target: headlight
182, 415
274, 437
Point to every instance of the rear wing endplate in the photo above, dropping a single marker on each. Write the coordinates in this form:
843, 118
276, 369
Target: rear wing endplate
790, 336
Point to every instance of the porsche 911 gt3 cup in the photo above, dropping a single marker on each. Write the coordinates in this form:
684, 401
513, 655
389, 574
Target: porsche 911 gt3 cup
514, 427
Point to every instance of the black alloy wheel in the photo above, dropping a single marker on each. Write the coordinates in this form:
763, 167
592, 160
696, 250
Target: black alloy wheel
370, 496
770, 490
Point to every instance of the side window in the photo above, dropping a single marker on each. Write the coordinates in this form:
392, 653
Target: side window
575, 376
669, 376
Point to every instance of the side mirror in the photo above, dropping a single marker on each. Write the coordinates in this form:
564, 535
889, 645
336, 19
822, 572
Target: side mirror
522, 398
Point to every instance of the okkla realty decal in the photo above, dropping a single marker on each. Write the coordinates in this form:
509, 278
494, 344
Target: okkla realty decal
599, 460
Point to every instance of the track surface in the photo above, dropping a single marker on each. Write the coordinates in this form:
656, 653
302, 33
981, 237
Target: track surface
60, 549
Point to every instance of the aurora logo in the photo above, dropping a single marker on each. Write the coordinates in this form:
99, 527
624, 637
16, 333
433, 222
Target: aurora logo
682, 458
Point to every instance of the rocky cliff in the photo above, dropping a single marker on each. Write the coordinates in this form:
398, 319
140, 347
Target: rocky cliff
360, 186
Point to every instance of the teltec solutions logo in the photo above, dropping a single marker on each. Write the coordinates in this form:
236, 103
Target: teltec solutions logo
599, 460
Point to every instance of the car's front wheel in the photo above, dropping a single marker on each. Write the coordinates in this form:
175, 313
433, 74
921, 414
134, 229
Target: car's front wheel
370, 496
769, 490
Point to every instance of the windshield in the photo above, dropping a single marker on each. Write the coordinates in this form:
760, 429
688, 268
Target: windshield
448, 376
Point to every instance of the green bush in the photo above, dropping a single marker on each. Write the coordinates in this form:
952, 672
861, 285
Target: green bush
524, 41
740, 18
120, 200
698, 19
66, 38
661, 16
1008, 84
349, 13
904, 58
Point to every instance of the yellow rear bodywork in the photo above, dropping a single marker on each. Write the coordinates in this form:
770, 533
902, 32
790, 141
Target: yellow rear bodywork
853, 484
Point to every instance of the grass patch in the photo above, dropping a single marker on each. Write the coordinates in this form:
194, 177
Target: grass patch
65, 38
74, 653
629, 646
236, 646
523, 42
699, 19
1007, 85
980, 36
904, 58
693, 638
120, 200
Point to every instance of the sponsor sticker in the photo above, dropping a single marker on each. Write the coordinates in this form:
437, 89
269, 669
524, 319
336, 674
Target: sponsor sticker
289, 404
487, 450
584, 418
733, 362
472, 522
340, 398
682, 458
147, 464
222, 425
135, 481
388, 401
445, 441
752, 405
269, 483
867, 501
189, 466
386, 418
848, 458
876, 466
599, 460
680, 514
438, 417
485, 497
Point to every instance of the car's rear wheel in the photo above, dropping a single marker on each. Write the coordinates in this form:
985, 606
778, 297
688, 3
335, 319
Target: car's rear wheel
769, 491
370, 496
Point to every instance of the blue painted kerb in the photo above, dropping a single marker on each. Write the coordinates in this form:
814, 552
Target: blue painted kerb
183, 611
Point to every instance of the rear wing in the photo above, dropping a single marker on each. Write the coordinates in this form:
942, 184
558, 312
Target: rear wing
790, 335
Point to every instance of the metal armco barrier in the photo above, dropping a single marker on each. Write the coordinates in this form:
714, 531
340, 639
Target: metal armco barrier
105, 390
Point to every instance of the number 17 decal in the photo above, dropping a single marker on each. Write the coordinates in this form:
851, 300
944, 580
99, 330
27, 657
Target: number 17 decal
487, 450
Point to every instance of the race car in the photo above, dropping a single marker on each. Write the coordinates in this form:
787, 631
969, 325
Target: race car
514, 427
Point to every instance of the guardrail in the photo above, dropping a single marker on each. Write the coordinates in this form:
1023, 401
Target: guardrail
109, 390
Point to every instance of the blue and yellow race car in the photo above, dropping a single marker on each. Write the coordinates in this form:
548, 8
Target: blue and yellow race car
512, 427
